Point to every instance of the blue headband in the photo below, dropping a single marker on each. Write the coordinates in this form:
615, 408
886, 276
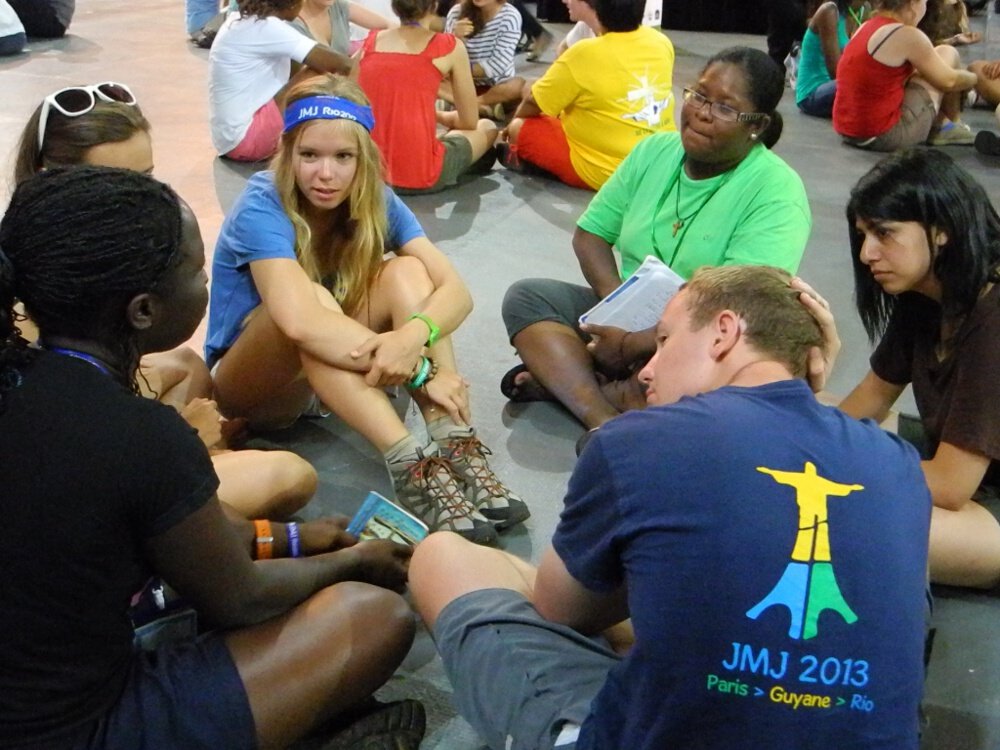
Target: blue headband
328, 108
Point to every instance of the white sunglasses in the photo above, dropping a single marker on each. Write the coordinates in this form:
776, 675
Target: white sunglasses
79, 100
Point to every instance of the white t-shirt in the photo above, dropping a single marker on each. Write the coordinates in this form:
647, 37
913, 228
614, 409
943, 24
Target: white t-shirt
249, 62
579, 32
10, 24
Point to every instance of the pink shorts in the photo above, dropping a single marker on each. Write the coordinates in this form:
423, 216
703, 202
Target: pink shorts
542, 141
261, 140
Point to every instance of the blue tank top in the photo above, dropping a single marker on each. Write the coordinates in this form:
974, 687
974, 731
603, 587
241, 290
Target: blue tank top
812, 65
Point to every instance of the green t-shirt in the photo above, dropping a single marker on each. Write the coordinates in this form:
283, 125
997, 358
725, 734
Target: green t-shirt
755, 214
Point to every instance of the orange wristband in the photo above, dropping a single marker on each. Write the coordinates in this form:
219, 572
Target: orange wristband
264, 543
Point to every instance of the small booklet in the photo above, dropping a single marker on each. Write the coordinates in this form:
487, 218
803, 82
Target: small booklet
380, 518
638, 303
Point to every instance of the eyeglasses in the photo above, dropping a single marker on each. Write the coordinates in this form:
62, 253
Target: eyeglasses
718, 109
79, 100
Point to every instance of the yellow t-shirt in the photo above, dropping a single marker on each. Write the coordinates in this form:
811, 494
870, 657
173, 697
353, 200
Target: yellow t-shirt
609, 92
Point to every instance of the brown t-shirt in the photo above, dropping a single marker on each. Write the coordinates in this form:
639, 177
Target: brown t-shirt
958, 397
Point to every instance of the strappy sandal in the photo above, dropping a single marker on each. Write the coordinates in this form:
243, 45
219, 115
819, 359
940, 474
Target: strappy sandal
527, 390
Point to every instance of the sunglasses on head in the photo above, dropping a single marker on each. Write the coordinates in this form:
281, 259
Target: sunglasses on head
79, 100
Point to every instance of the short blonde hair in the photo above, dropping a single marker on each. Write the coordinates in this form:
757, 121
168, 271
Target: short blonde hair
777, 324
347, 261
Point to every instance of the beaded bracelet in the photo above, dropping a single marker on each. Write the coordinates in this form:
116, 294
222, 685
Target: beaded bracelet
432, 373
294, 549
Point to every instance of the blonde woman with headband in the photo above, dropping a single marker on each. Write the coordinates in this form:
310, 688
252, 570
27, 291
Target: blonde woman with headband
103, 125
305, 306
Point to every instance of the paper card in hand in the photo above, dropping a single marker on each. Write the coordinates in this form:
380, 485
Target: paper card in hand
380, 518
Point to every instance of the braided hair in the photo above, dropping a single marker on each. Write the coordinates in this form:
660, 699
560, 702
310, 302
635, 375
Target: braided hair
76, 246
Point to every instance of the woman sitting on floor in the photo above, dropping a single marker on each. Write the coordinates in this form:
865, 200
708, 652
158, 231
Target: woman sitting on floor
596, 102
111, 488
925, 241
401, 71
328, 22
103, 125
827, 33
713, 194
490, 30
305, 305
249, 70
895, 88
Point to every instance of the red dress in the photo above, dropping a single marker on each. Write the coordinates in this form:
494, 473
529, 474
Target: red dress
402, 88
869, 93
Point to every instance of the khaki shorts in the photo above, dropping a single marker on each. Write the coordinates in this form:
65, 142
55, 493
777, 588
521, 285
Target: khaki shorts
916, 118
457, 160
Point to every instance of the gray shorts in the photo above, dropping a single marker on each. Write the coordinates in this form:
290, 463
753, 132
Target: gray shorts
519, 679
457, 160
534, 300
916, 119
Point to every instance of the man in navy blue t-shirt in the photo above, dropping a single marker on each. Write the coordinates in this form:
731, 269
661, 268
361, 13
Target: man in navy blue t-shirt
769, 552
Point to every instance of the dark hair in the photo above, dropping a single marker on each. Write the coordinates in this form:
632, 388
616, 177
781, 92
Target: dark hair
76, 246
412, 10
765, 82
470, 10
619, 15
68, 139
264, 8
926, 186
941, 21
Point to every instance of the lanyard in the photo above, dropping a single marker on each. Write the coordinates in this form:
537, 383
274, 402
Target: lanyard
80, 355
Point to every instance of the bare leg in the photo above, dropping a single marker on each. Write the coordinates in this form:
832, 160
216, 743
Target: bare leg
260, 376
988, 88
175, 377
264, 484
325, 656
559, 360
507, 93
481, 139
445, 566
965, 547
947, 104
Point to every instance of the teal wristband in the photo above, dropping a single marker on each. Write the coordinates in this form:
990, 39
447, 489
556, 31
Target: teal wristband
434, 332
421, 377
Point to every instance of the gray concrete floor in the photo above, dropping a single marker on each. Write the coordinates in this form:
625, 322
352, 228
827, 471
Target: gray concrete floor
496, 230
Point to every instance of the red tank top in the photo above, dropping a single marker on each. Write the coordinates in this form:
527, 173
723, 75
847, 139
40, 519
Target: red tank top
402, 88
869, 94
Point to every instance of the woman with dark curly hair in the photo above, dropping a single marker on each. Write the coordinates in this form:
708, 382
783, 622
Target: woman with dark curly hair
103, 489
250, 68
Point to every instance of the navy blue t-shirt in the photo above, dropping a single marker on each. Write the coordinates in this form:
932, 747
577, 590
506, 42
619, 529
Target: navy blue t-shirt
775, 552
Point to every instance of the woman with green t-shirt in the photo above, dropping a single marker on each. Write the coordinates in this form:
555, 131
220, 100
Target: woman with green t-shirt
713, 194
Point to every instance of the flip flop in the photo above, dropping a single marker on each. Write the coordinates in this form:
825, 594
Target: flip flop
526, 391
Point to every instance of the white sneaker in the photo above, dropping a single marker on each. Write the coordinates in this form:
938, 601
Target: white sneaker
953, 134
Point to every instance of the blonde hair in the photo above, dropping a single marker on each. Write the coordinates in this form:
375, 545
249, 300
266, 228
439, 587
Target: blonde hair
777, 324
349, 258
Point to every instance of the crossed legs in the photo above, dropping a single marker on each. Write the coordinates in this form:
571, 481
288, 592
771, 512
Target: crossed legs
320, 659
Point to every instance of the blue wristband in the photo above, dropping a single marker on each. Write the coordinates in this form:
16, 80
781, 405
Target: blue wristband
294, 550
